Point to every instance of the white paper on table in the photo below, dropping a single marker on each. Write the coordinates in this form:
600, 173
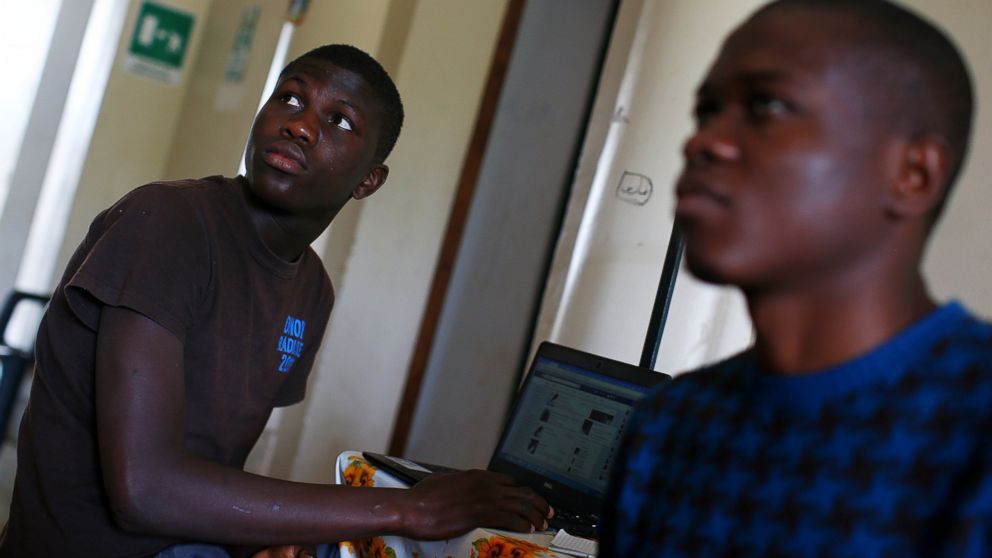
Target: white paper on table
572, 545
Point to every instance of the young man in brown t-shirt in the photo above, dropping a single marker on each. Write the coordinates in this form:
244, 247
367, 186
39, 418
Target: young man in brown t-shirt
192, 309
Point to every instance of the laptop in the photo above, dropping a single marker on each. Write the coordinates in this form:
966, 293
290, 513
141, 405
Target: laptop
563, 433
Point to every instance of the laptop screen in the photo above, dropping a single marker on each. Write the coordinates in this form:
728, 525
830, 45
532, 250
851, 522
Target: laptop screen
568, 422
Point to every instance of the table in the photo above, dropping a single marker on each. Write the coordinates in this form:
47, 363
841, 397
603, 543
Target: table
353, 470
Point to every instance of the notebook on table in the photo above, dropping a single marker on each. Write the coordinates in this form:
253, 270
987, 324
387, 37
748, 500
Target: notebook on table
562, 436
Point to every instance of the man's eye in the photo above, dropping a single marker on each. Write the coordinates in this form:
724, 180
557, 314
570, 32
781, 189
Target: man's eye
762, 106
341, 121
704, 111
291, 100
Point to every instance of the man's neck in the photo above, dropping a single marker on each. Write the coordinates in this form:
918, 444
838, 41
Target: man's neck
806, 330
285, 234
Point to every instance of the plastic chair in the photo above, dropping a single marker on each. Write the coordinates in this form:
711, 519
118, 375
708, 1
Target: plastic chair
14, 361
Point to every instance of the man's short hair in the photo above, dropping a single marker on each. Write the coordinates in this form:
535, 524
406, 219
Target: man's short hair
358, 61
917, 70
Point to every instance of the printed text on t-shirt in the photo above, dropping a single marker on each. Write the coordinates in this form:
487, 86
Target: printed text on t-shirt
291, 342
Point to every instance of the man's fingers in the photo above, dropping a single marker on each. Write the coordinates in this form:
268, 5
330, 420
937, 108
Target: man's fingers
522, 503
449, 505
528, 495
510, 521
499, 478
527, 504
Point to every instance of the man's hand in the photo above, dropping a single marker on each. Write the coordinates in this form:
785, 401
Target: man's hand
445, 506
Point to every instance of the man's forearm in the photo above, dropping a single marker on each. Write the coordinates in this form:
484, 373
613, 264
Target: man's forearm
199, 500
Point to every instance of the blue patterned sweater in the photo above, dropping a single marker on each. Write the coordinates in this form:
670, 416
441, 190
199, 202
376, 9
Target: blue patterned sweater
887, 455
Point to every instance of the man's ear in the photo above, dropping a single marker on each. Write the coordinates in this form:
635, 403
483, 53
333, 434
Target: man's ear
922, 179
373, 180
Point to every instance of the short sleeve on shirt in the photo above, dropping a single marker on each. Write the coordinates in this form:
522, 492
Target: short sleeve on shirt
148, 253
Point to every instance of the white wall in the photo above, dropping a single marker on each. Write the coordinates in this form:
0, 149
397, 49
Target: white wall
959, 260
25, 34
606, 271
39, 138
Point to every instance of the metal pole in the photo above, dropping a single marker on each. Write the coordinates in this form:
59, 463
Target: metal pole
663, 300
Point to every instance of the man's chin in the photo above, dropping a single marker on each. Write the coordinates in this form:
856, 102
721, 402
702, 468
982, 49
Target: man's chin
706, 271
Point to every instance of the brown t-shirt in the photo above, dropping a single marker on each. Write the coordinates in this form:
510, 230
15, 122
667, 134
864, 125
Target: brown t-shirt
186, 255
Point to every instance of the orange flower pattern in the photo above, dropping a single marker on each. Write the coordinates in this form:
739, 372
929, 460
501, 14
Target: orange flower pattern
371, 548
505, 547
359, 473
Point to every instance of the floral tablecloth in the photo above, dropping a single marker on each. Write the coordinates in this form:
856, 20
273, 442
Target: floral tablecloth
353, 470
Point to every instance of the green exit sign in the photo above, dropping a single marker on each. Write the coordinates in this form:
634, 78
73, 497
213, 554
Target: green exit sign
159, 42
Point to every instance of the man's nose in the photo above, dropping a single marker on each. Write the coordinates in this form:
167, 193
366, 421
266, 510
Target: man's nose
712, 142
302, 126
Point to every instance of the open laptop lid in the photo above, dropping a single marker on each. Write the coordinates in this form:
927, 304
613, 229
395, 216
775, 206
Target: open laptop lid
562, 435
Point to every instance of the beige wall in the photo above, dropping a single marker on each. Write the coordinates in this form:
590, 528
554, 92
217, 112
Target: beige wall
213, 123
360, 23
134, 131
959, 261
606, 270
